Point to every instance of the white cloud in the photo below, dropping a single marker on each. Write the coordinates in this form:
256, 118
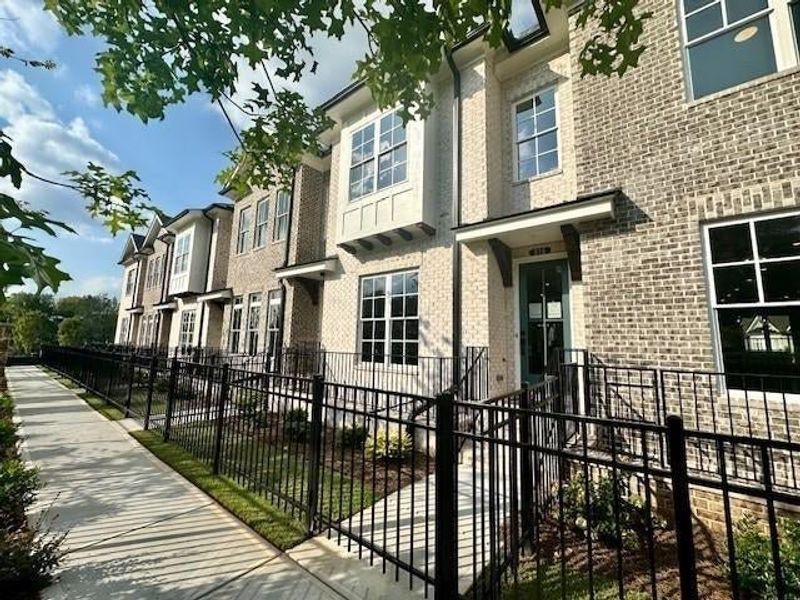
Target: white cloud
337, 61
97, 284
85, 94
47, 146
26, 27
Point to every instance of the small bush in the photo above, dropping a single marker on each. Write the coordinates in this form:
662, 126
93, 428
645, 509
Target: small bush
8, 438
18, 486
6, 407
394, 445
602, 514
296, 425
27, 560
354, 437
250, 409
754, 565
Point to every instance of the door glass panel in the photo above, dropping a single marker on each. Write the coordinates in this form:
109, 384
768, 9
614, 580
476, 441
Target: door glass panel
544, 315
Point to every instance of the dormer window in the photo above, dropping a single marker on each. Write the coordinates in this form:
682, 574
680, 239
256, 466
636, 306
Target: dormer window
389, 134
183, 245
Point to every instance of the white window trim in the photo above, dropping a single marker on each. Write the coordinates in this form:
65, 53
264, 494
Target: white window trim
130, 281
714, 305
515, 144
183, 236
189, 328
783, 41
237, 305
277, 235
376, 122
264, 224
243, 244
254, 300
387, 362
274, 298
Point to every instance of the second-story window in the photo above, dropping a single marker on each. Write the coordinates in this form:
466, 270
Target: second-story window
154, 267
235, 334
536, 135
183, 245
392, 156
243, 238
186, 335
253, 320
130, 282
281, 227
730, 42
795, 7
262, 217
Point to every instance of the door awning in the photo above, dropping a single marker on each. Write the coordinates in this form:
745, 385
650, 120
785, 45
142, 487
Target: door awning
221, 296
540, 224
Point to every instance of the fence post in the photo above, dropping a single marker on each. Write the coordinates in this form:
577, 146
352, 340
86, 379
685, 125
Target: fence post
151, 381
446, 536
173, 380
317, 395
683, 511
223, 399
526, 464
131, 371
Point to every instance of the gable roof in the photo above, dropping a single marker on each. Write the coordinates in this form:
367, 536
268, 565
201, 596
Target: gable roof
133, 244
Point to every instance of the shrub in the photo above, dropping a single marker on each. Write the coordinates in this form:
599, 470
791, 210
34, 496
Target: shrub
296, 425
754, 565
354, 437
394, 445
603, 516
8, 438
18, 486
27, 560
6, 407
250, 409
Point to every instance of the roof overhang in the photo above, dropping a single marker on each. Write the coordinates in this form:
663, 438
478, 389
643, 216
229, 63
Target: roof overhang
311, 270
541, 224
220, 296
167, 306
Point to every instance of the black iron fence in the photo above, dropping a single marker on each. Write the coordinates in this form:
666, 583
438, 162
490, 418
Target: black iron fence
516, 497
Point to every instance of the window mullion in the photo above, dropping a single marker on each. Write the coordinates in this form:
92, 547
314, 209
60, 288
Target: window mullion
756, 262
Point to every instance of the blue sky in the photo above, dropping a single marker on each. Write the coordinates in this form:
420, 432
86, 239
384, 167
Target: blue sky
58, 122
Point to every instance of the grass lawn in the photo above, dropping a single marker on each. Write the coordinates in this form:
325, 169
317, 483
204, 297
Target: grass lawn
109, 411
268, 521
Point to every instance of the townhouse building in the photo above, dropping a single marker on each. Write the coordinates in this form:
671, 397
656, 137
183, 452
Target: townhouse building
652, 218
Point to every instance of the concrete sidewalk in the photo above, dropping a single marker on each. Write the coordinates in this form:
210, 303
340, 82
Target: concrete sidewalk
136, 528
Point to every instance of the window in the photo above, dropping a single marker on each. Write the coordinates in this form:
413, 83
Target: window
523, 21
253, 320
235, 334
536, 135
262, 216
755, 281
795, 8
147, 331
281, 217
154, 270
730, 42
130, 282
392, 159
243, 238
182, 248
392, 156
123, 330
186, 337
273, 320
390, 318
362, 162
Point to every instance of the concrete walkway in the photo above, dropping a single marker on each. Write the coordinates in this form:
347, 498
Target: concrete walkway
135, 528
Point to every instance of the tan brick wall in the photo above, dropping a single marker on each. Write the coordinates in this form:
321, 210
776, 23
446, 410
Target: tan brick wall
151, 296
679, 164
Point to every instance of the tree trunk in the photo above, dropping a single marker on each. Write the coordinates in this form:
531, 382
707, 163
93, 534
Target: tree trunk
5, 339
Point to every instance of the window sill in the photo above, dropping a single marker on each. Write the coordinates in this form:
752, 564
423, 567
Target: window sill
535, 178
742, 87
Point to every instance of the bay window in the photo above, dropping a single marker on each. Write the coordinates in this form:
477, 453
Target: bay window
183, 246
730, 42
755, 293
389, 135
389, 318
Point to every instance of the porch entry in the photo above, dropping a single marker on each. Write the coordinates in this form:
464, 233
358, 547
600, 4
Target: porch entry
544, 314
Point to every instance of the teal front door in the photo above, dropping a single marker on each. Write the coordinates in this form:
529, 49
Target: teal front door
544, 316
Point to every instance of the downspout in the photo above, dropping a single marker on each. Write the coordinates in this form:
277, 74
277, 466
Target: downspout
456, 216
286, 260
208, 273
